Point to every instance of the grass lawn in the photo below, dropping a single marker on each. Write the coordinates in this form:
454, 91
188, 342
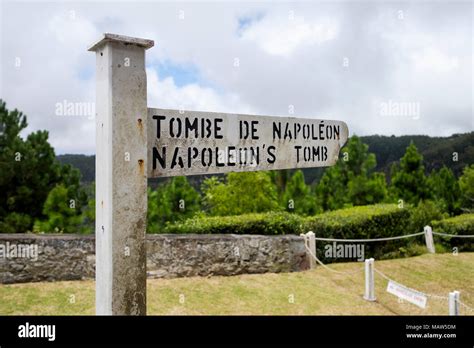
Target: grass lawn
314, 292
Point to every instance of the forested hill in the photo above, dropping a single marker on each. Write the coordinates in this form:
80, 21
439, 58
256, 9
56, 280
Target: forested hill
85, 163
436, 151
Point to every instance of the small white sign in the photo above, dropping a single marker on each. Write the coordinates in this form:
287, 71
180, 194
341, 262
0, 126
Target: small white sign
417, 298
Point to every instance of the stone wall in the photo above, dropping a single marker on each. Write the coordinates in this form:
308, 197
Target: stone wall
29, 257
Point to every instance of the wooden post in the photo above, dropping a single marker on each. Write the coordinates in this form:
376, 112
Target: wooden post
312, 246
453, 303
121, 176
369, 280
429, 240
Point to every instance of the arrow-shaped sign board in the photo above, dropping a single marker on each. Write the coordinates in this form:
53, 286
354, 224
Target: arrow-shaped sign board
192, 142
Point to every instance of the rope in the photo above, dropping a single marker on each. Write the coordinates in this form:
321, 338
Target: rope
328, 268
431, 296
393, 238
383, 275
370, 240
454, 235
437, 297
469, 308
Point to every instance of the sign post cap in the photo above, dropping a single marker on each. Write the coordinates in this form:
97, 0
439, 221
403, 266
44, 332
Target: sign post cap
108, 37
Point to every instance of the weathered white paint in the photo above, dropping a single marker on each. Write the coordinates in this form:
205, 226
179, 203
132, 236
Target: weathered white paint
417, 298
192, 142
369, 280
312, 246
121, 180
453, 303
429, 240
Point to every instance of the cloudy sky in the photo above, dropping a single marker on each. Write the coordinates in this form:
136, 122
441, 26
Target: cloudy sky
382, 67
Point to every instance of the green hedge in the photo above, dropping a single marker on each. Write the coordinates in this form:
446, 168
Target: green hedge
264, 223
370, 221
458, 225
365, 222
358, 222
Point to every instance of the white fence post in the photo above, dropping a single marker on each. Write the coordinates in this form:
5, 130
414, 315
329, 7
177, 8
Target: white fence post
121, 176
312, 246
429, 239
454, 303
369, 280
305, 239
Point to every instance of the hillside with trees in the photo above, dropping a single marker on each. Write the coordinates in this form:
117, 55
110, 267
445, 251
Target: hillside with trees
455, 151
35, 187
45, 193
436, 151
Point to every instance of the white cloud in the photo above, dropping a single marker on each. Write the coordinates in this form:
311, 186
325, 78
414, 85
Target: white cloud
434, 60
69, 30
165, 94
281, 36
424, 58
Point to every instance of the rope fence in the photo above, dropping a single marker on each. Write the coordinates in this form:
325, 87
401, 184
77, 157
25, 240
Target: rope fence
453, 309
368, 240
454, 235
468, 308
308, 250
396, 288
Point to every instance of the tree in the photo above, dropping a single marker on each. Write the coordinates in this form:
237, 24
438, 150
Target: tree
356, 158
62, 214
331, 189
445, 189
251, 192
176, 200
280, 179
298, 197
28, 172
367, 189
159, 210
424, 214
352, 181
408, 178
364, 185
466, 184
88, 210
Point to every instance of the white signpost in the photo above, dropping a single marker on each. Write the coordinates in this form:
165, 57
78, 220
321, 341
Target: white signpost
134, 143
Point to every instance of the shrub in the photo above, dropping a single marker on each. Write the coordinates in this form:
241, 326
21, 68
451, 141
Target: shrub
458, 225
263, 223
466, 184
15, 223
62, 216
424, 214
369, 221
364, 222
240, 193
